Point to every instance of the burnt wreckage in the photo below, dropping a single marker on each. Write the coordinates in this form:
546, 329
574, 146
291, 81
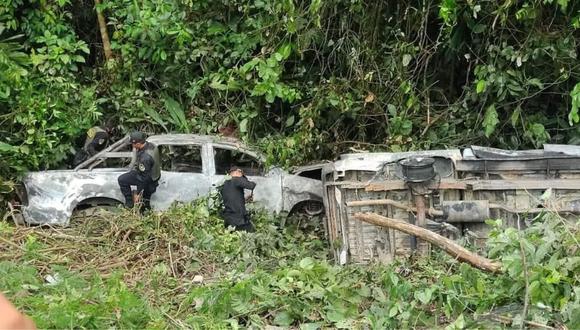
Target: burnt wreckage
192, 166
450, 192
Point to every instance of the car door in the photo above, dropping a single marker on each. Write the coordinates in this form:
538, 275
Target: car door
184, 174
268, 191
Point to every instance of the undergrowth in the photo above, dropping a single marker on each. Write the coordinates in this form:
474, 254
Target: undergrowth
182, 269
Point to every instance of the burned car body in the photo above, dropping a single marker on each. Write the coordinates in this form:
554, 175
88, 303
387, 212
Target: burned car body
192, 166
452, 192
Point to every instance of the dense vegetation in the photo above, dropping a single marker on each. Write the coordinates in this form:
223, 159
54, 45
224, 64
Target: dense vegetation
320, 76
181, 269
301, 80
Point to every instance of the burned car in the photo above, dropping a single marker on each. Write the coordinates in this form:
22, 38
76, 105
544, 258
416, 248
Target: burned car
192, 166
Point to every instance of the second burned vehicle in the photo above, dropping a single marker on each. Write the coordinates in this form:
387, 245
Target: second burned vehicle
192, 166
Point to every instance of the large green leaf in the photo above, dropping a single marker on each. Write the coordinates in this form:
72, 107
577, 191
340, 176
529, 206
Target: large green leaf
283, 318
573, 116
5, 147
155, 116
490, 120
177, 114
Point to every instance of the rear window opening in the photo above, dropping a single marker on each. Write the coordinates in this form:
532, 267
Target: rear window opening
181, 158
224, 158
315, 174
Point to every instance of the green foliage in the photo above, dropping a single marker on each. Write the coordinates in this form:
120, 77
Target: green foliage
447, 11
573, 116
547, 256
490, 120
302, 80
275, 277
177, 116
13, 64
73, 301
43, 105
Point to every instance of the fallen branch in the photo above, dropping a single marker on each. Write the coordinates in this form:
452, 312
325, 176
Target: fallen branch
446, 244
57, 235
509, 321
16, 246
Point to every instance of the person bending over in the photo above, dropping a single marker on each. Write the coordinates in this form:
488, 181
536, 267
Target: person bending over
234, 212
97, 138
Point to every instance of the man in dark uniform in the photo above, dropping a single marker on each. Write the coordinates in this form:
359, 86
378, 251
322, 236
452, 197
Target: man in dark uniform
145, 175
96, 140
232, 192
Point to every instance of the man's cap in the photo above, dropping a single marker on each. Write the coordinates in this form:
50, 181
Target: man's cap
234, 168
138, 137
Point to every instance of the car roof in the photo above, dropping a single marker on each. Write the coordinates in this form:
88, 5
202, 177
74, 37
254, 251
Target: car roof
177, 139
194, 138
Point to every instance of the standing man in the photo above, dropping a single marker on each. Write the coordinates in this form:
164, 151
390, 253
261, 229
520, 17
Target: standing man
145, 175
232, 192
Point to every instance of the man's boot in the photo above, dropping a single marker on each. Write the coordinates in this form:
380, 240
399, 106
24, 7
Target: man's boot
129, 202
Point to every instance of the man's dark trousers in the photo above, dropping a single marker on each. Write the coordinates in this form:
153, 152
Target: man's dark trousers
145, 186
247, 226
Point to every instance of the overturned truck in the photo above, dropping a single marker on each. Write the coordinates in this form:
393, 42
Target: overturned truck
450, 192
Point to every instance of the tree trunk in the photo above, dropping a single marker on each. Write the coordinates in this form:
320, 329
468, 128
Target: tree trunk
104, 34
446, 244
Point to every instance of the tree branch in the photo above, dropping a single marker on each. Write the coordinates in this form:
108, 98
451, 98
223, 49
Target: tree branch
446, 244
104, 34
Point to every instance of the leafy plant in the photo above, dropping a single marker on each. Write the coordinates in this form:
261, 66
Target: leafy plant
138, 272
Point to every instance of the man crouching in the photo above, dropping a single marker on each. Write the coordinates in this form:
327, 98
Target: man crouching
232, 192
145, 175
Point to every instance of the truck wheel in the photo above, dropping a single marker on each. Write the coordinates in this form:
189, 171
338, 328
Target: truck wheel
307, 215
313, 208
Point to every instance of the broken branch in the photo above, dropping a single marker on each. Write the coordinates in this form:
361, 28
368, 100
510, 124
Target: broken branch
446, 244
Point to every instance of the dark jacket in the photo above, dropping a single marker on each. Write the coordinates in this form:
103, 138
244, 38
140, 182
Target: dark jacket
147, 165
96, 140
232, 193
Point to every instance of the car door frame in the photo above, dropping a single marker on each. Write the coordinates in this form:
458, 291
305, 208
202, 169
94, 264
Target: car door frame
268, 192
185, 186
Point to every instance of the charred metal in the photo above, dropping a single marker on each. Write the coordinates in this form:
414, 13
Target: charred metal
190, 169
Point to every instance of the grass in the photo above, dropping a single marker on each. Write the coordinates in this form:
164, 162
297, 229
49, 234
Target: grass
120, 270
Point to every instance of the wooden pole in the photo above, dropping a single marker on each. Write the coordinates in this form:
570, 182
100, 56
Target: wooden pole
446, 244
420, 220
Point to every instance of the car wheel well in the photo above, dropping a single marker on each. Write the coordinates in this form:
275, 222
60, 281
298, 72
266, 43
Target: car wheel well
308, 207
97, 201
